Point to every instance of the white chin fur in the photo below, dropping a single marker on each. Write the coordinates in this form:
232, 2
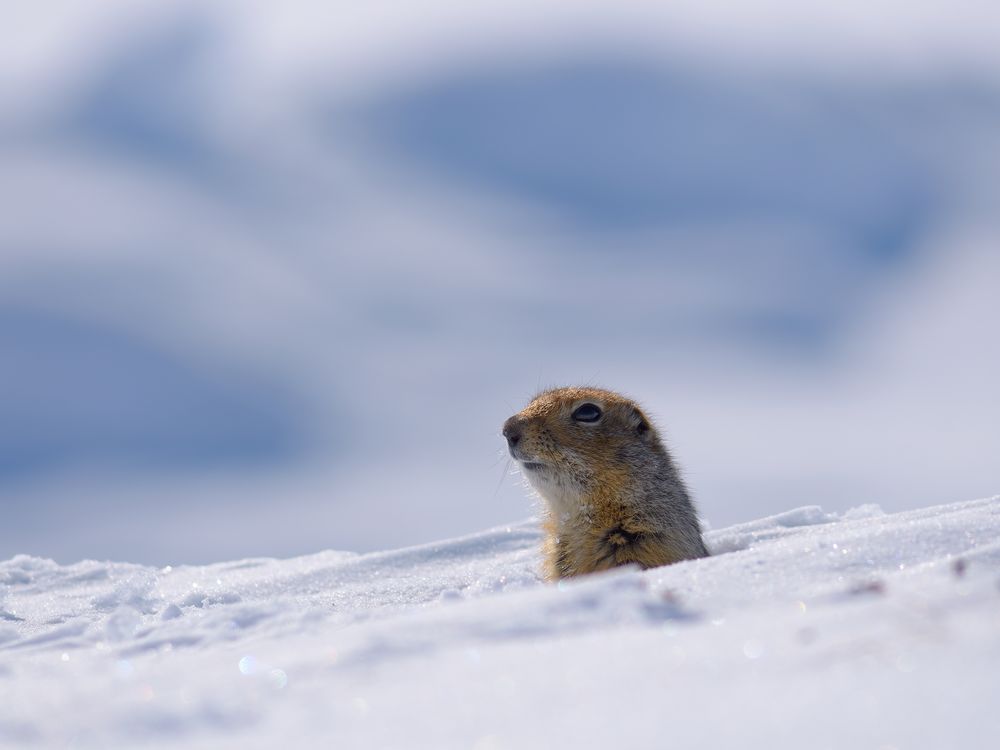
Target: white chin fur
563, 500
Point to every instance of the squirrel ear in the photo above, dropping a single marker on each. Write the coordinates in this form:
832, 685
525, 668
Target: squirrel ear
640, 422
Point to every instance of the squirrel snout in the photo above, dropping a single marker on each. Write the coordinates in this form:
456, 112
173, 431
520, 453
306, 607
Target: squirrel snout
512, 431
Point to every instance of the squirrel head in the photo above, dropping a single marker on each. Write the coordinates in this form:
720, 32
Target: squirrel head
577, 437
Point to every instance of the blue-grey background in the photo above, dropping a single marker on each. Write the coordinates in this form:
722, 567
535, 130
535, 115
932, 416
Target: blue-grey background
271, 278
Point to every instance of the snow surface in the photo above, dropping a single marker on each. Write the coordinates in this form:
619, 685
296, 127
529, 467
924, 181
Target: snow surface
804, 629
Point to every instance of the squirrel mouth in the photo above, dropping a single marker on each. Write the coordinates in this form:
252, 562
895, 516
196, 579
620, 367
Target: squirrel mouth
526, 462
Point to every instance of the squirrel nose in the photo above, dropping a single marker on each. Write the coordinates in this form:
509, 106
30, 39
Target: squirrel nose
512, 431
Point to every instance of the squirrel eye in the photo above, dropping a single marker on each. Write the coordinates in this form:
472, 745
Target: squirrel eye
587, 413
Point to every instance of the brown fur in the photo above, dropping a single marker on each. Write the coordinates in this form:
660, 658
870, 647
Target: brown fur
612, 494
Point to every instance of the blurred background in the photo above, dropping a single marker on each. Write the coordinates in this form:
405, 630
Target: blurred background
272, 275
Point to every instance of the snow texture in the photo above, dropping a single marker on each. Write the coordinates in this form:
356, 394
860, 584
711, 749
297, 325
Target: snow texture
804, 629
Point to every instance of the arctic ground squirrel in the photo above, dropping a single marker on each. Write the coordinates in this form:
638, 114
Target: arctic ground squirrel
612, 493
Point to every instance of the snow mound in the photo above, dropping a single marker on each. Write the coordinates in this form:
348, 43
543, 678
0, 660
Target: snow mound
803, 629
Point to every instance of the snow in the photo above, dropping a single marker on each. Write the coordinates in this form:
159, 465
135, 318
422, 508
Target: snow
804, 629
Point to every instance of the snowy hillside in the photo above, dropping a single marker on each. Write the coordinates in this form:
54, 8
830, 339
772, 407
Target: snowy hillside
244, 230
805, 629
